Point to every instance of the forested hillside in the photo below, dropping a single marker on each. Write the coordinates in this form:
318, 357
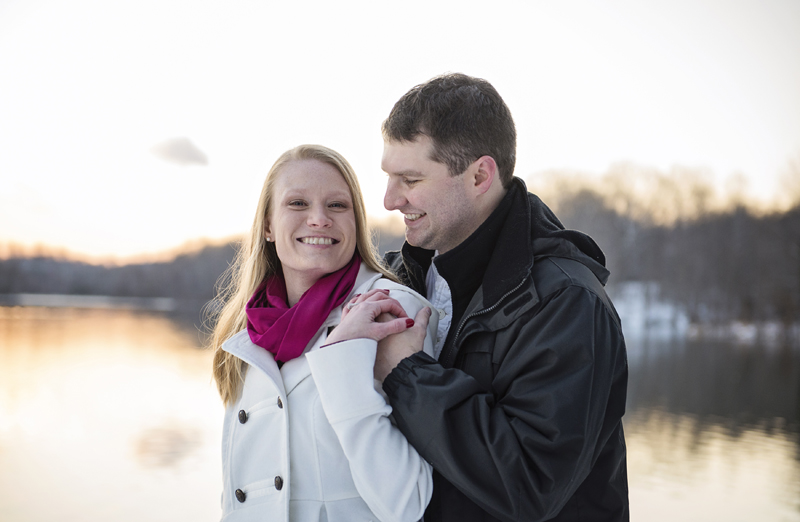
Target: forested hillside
719, 263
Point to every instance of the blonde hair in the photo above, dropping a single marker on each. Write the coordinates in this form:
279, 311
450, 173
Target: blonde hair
257, 260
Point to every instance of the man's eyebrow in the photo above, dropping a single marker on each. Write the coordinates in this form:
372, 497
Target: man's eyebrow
407, 172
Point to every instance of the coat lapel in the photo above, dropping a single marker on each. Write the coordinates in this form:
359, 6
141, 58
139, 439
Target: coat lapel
242, 347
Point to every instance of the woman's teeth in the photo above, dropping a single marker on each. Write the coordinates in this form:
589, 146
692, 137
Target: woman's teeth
317, 240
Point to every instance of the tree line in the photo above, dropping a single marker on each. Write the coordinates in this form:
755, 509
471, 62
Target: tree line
189, 276
720, 263
720, 259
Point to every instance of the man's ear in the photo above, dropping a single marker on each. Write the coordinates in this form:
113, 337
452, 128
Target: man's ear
485, 173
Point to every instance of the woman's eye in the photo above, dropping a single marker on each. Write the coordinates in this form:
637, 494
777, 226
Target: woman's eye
297, 203
338, 205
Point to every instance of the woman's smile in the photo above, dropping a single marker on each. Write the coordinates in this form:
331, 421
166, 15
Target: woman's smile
318, 240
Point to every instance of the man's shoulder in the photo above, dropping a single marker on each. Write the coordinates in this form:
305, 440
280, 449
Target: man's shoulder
393, 259
554, 275
551, 274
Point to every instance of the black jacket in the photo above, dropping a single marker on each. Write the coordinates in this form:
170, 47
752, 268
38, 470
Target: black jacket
521, 416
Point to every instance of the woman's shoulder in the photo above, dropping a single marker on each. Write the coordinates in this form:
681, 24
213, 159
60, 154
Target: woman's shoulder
388, 284
405, 295
410, 300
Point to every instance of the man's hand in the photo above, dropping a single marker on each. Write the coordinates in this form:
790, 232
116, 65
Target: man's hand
395, 348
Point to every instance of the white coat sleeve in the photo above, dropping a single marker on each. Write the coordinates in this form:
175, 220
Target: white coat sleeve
390, 476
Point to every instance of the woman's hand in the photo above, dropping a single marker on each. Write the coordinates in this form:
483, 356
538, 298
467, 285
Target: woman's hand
359, 318
395, 348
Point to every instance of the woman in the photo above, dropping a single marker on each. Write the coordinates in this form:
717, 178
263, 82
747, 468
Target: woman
306, 435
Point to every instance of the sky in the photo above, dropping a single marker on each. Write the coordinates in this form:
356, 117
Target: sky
130, 128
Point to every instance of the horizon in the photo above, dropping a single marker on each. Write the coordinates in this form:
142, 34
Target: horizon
651, 195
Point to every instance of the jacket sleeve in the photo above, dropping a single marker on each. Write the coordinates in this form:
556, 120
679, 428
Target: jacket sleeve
391, 477
389, 474
521, 449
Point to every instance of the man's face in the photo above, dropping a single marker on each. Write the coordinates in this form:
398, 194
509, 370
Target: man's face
438, 209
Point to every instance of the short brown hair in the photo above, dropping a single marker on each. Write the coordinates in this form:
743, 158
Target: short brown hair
465, 118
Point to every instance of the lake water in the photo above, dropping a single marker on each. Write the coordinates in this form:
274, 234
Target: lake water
112, 415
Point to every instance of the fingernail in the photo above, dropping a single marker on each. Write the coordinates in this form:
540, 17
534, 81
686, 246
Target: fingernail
356, 296
409, 323
385, 291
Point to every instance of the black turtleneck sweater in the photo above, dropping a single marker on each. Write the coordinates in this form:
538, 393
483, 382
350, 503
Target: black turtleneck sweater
464, 266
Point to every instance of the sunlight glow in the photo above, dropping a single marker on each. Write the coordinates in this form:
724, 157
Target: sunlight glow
86, 99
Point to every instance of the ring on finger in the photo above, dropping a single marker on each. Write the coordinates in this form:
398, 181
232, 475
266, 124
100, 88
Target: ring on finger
350, 305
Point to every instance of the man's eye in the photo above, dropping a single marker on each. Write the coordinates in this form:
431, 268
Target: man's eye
410, 182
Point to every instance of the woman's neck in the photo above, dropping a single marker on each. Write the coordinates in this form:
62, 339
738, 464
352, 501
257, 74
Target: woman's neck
296, 287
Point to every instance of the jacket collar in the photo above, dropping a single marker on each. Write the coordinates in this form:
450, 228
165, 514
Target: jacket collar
294, 371
532, 231
512, 258
242, 347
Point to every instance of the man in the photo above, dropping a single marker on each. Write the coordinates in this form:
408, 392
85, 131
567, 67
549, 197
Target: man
520, 411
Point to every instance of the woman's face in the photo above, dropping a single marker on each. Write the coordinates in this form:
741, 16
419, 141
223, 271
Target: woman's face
311, 222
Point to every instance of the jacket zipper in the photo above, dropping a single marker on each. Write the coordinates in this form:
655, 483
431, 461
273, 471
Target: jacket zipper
475, 314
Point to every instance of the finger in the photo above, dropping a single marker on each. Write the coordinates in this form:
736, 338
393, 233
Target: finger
372, 295
349, 305
360, 298
388, 305
382, 330
422, 317
384, 318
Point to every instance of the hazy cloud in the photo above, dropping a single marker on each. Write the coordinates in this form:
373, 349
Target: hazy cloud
181, 151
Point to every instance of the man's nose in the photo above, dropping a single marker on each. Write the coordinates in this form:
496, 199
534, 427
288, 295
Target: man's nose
394, 197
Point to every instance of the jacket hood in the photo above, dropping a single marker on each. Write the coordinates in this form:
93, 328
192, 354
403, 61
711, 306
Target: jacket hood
533, 228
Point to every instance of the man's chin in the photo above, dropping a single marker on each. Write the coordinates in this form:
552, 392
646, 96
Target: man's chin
417, 241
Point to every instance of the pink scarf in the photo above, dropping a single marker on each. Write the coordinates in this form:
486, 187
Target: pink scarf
287, 331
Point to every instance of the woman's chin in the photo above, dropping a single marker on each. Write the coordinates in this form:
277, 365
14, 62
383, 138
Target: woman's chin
313, 272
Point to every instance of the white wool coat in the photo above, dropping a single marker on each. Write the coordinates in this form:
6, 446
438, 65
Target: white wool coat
313, 440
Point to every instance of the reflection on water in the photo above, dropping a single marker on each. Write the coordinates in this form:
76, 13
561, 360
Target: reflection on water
165, 447
713, 432
111, 415
105, 415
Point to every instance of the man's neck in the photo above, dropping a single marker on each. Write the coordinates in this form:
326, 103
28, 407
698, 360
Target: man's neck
464, 265
485, 207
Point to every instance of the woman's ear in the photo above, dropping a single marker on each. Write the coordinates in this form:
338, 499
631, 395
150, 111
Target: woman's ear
268, 232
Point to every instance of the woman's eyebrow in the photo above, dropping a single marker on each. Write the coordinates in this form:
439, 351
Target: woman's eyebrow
295, 193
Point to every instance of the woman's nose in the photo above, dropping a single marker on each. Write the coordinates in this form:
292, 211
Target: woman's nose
318, 217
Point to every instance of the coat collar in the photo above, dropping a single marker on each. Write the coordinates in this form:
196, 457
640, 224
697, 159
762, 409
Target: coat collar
296, 370
242, 347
